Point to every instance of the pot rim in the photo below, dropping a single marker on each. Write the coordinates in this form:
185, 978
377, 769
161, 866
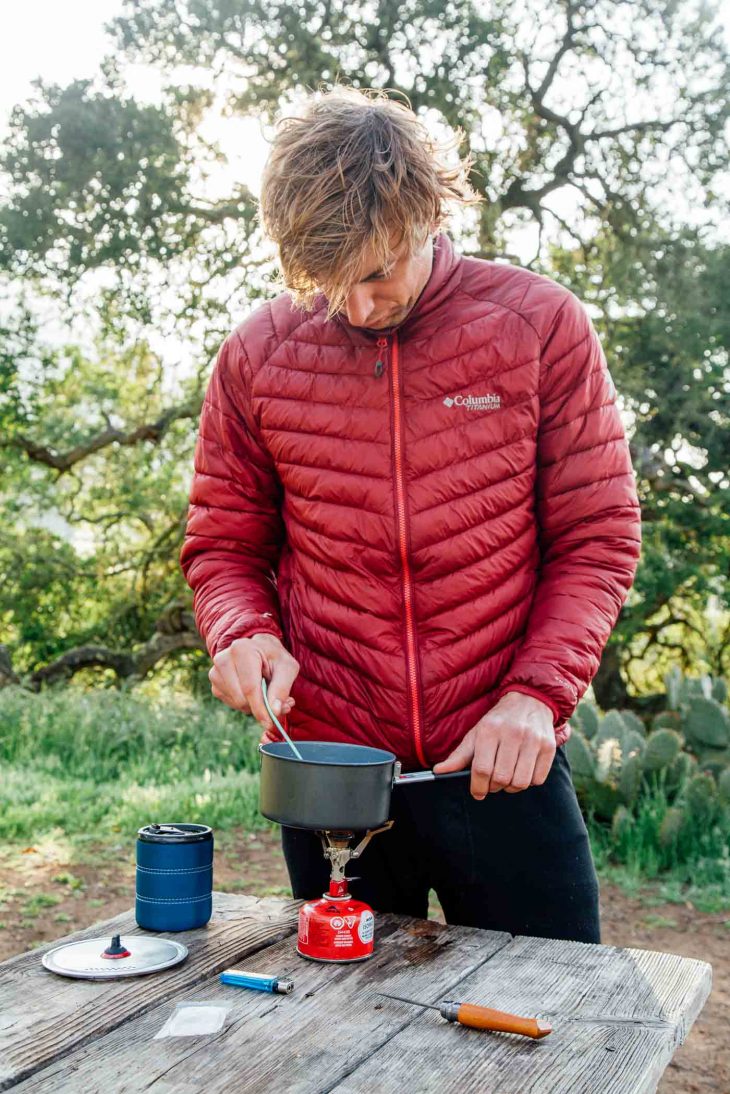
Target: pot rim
388, 757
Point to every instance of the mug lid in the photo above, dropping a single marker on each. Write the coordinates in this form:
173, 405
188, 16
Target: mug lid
175, 833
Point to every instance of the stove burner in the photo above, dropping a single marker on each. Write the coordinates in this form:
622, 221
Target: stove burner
336, 927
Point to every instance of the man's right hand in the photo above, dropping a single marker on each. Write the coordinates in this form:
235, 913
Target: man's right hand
237, 673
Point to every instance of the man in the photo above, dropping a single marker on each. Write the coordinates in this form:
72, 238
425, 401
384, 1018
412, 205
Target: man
414, 513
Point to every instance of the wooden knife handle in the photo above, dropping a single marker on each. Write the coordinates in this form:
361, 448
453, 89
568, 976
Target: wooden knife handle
469, 1014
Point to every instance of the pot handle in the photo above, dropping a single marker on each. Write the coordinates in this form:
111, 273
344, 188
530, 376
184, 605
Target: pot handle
426, 776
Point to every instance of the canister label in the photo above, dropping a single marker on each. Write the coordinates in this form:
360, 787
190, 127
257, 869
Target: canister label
366, 927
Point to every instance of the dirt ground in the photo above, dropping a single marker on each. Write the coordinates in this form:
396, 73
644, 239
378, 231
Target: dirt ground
54, 888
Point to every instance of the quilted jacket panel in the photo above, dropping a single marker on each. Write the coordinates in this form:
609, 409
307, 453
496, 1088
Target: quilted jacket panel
425, 539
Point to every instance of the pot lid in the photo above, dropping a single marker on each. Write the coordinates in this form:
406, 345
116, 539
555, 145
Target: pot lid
102, 959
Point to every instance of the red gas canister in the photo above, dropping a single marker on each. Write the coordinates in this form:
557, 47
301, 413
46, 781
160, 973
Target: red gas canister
336, 927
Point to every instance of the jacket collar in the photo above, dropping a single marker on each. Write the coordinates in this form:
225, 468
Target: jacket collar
443, 279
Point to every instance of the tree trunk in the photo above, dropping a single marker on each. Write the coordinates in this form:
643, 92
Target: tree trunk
608, 683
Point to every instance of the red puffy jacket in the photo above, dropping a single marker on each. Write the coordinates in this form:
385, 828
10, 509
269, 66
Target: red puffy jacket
427, 518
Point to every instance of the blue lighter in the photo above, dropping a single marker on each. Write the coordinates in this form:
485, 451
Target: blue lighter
278, 985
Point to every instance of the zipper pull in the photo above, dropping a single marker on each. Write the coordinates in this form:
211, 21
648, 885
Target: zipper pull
380, 364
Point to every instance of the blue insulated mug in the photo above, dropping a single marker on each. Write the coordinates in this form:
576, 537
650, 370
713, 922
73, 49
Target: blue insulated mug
174, 876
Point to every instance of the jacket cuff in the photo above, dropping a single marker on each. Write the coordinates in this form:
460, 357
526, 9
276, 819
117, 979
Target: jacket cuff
524, 689
249, 624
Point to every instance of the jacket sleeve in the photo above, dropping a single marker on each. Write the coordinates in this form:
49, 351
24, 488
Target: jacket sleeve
234, 529
588, 515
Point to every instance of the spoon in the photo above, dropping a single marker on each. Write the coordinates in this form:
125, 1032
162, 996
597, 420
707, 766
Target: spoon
278, 724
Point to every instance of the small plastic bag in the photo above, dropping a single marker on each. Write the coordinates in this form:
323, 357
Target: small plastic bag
194, 1020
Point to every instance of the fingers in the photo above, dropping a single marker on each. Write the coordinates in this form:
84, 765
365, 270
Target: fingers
507, 753
459, 758
284, 673
269, 736
483, 764
522, 775
543, 764
225, 684
506, 758
237, 673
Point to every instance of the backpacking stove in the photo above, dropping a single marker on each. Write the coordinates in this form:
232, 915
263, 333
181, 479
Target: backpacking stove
337, 927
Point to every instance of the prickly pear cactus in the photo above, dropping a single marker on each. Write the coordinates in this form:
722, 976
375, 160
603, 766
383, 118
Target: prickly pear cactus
662, 749
613, 758
714, 760
608, 760
667, 719
695, 686
633, 722
632, 743
629, 781
612, 727
622, 823
673, 684
701, 798
679, 772
719, 690
723, 787
580, 758
671, 827
706, 723
588, 719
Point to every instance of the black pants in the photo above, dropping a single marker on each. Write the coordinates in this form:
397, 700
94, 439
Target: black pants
512, 862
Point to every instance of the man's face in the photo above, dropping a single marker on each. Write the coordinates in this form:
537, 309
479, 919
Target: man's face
383, 298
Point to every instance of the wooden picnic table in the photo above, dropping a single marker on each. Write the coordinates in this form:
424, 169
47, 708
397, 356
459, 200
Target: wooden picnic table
618, 1015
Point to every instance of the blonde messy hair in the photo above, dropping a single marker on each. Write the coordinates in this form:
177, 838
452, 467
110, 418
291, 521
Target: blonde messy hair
344, 173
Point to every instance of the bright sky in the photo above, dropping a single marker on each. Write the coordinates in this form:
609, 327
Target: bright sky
61, 41
58, 41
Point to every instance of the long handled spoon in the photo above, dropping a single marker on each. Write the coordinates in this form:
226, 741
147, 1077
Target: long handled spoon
278, 724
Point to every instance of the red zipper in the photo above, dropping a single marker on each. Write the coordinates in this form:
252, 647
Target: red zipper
400, 494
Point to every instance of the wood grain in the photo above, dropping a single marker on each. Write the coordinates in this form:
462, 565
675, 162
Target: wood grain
43, 1016
618, 1016
306, 1041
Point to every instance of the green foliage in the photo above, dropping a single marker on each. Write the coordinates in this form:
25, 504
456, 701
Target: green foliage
662, 748
107, 735
104, 761
700, 796
91, 557
661, 839
630, 777
706, 723
580, 757
723, 787
622, 824
586, 716
97, 179
107, 216
661, 802
670, 828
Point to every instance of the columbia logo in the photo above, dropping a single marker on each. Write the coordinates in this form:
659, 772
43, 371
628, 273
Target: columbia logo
474, 402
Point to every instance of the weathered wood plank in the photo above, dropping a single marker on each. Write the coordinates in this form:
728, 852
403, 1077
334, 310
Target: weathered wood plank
618, 1016
299, 1044
43, 1016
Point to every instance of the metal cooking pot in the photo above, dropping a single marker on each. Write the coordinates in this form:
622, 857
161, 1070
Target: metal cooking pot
334, 787
328, 786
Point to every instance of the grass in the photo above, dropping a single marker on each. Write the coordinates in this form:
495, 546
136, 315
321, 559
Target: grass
101, 762
693, 868
96, 765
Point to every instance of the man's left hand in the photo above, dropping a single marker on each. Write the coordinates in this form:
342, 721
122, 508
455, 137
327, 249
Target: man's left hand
510, 748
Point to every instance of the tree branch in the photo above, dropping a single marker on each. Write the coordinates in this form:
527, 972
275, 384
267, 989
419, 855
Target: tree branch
175, 630
148, 431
